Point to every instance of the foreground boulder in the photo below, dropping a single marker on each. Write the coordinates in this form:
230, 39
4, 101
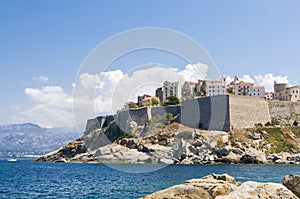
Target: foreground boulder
223, 187
292, 182
207, 187
253, 190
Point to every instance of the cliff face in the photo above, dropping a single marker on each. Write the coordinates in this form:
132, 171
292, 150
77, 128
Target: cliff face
156, 136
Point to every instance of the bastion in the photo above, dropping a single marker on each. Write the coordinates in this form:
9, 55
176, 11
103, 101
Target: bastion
220, 113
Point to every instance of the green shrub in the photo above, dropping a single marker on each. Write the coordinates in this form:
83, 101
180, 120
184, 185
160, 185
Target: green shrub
172, 100
279, 141
170, 117
129, 136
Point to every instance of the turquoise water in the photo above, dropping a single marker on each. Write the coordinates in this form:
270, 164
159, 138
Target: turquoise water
25, 179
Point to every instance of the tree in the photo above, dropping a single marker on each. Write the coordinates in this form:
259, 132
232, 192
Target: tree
130, 105
172, 100
155, 101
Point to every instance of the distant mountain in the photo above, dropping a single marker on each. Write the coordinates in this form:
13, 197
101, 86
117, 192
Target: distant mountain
32, 138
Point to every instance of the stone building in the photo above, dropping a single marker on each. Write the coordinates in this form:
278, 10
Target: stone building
188, 88
144, 100
283, 92
159, 93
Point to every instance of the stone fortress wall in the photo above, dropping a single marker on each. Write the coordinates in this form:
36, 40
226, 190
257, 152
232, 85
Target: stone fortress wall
209, 113
248, 111
220, 113
283, 108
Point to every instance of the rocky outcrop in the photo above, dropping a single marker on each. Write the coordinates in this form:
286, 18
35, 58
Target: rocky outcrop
207, 187
181, 145
292, 182
64, 153
253, 190
223, 187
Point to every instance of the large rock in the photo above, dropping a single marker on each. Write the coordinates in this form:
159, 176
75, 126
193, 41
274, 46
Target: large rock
249, 190
180, 192
224, 187
207, 187
292, 182
222, 152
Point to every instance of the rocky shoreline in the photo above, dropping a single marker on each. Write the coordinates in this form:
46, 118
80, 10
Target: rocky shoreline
178, 144
216, 186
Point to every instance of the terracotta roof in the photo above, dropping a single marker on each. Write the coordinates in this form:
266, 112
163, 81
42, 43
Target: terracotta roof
193, 83
258, 87
244, 83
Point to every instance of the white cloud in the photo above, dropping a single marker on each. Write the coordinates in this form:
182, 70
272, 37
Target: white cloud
99, 94
52, 108
193, 72
268, 80
53, 95
246, 78
41, 79
229, 79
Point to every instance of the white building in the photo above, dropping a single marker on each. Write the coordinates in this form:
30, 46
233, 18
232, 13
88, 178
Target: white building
269, 96
213, 88
259, 91
172, 88
248, 89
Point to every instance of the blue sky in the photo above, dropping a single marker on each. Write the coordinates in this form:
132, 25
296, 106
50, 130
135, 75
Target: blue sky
52, 38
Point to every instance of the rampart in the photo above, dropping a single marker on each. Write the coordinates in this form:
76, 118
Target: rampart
248, 111
209, 113
283, 109
220, 113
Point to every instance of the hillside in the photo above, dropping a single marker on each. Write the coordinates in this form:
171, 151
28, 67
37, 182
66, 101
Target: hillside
32, 139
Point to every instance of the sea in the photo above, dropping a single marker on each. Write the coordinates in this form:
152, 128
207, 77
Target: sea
27, 179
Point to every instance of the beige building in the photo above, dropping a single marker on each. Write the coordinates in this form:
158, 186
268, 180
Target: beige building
283, 92
243, 88
144, 100
188, 88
